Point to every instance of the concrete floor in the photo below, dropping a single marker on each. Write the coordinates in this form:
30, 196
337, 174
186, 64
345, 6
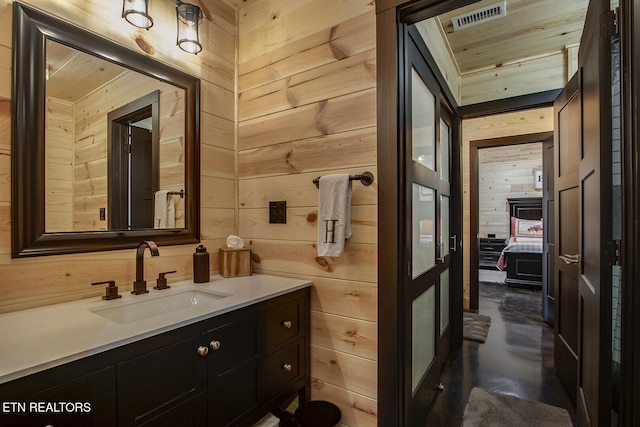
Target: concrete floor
516, 359
492, 276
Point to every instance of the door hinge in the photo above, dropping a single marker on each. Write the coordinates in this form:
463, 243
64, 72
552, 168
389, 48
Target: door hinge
611, 251
609, 23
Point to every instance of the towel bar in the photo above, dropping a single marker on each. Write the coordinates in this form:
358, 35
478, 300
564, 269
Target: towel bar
176, 193
366, 178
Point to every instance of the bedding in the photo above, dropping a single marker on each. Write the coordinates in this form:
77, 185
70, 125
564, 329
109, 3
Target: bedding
518, 244
522, 256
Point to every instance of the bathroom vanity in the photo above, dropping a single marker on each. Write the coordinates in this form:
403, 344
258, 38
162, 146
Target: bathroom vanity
231, 355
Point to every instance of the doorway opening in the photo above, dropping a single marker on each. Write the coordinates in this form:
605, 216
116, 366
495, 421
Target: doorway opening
506, 173
497, 219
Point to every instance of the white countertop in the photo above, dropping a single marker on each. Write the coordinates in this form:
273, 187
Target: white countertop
40, 338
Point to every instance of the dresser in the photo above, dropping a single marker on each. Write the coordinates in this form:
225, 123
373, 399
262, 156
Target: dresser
490, 250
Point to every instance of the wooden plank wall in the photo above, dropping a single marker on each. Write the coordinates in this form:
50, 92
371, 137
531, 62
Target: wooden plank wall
502, 125
59, 165
46, 280
505, 172
307, 95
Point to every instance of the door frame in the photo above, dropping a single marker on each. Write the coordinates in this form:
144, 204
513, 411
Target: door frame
417, 284
391, 30
474, 200
629, 24
389, 79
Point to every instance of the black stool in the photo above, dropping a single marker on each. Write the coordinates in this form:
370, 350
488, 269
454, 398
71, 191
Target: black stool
316, 413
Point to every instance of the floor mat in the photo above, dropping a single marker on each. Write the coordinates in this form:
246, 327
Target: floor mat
475, 327
487, 408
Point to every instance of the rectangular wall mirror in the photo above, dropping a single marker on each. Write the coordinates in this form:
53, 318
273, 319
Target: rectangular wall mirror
105, 143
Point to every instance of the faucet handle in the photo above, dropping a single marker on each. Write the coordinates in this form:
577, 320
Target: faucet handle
111, 291
161, 281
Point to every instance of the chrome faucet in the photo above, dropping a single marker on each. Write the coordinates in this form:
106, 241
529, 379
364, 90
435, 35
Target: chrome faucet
140, 285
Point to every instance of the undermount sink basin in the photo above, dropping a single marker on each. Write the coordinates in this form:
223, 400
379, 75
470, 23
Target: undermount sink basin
151, 306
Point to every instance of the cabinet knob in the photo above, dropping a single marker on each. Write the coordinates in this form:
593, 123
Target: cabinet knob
287, 367
287, 324
215, 345
203, 351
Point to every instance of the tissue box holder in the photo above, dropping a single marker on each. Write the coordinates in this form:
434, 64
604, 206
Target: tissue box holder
234, 262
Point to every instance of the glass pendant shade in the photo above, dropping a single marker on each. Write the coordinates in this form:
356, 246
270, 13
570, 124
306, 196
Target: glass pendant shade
136, 13
189, 17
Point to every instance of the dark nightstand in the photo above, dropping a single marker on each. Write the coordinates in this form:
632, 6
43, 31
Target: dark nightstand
490, 250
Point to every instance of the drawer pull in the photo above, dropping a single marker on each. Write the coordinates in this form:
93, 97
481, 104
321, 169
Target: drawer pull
203, 351
287, 324
215, 345
287, 367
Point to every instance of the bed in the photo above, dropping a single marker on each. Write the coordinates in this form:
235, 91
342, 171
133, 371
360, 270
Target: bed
522, 256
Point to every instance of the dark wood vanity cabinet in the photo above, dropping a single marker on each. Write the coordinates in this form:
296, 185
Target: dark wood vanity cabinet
231, 369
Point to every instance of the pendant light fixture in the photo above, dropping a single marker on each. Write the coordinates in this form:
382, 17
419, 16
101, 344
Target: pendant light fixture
189, 17
136, 12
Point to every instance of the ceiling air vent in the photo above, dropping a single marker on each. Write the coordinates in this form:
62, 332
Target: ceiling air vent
478, 16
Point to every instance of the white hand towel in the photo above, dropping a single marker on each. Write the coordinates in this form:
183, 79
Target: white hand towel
171, 212
160, 211
334, 214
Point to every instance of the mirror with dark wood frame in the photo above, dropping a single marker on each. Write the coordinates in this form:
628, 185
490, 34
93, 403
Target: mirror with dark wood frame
106, 218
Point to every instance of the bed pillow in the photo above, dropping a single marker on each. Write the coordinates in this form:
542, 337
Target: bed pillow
527, 228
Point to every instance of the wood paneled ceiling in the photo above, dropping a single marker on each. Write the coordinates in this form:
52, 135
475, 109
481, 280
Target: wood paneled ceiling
530, 29
73, 74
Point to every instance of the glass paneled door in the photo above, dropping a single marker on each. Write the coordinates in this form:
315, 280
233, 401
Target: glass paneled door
428, 238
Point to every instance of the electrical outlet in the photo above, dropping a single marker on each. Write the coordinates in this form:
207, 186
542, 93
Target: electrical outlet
278, 212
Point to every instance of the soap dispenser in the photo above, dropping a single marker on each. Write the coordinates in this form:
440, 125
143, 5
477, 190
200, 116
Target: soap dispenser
201, 265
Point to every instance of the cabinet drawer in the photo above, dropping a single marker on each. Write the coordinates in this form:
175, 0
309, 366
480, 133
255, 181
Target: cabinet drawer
232, 344
491, 247
491, 256
283, 323
284, 366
